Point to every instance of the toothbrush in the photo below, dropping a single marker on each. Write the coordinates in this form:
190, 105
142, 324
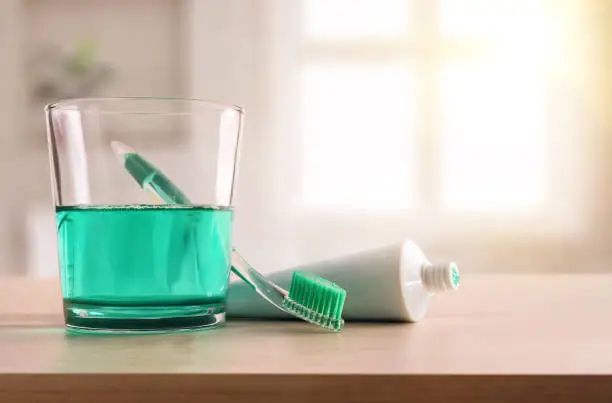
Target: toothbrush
310, 297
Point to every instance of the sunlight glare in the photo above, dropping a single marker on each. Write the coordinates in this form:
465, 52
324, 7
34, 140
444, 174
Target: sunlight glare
493, 143
357, 142
355, 19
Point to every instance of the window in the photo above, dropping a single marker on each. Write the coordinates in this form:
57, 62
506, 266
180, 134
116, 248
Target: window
413, 103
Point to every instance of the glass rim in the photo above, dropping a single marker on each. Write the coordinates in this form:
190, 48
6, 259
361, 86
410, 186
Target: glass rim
64, 103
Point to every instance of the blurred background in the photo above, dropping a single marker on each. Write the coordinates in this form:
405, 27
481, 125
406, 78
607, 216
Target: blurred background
481, 129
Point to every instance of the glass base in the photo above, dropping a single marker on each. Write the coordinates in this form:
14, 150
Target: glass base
93, 318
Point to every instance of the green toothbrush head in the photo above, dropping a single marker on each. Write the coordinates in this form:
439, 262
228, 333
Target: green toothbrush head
316, 300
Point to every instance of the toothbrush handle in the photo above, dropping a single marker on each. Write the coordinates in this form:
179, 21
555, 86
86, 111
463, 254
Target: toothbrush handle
264, 287
163, 190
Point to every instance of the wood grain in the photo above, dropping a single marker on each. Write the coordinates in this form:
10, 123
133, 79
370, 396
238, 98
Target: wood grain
501, 338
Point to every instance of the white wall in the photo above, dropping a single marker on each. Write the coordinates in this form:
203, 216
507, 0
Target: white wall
141, 39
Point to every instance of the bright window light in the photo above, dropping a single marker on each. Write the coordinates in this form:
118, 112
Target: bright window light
489, 19
355, 19
492, 146
357, 135
493, 153
494, 139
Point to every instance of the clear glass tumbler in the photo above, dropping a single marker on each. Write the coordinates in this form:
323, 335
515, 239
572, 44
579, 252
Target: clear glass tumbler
143, 193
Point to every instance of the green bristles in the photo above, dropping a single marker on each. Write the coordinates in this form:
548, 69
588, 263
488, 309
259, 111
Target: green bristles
316, 300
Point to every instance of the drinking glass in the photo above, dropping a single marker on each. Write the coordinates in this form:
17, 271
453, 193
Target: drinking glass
135, 256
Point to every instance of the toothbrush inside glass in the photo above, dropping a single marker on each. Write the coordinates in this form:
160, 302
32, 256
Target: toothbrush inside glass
312, 298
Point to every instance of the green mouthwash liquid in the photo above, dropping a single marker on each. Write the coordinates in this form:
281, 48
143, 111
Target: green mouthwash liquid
144, 267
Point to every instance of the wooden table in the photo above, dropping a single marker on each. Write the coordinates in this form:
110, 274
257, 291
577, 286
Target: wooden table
499, 339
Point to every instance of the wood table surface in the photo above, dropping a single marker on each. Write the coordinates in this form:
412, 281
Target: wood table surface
501, 338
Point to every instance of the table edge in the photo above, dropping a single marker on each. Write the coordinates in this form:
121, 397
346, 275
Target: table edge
303, 388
